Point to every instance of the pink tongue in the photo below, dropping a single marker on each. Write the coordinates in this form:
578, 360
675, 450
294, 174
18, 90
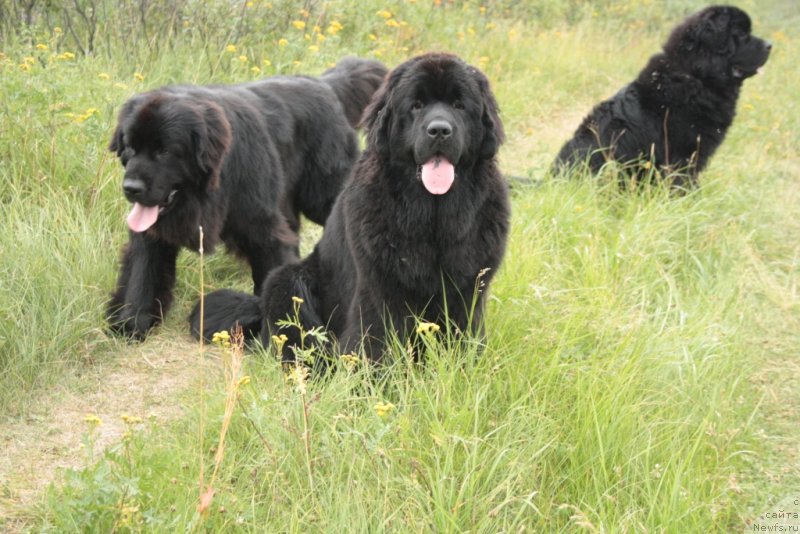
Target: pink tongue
141, 217
438, 175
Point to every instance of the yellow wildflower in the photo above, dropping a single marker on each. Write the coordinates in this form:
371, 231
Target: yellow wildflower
313, 48
427, 328
130, 419
92, 420
349, 360
243, 381
282, 42
222, 338
304, 12
297, 300
334, 27
383, 409
41, 46
279, 341
316, 29
320, 37
66, 55
57, 30
104, 76
392, 23
29, 60
384, 13
138, 76
299, 24
25, 67
372, 37
242, 59
230, 48
255, 70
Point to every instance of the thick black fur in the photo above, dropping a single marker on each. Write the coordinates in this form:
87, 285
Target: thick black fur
392, 251
244, 161
678, 110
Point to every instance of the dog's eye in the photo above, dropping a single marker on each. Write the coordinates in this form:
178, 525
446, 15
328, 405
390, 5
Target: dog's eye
458, 104
416, 105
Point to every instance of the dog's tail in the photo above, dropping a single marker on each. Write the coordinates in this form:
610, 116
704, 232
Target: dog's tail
355, 80
225, 309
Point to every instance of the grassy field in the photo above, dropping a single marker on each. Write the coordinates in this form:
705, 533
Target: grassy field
641, 366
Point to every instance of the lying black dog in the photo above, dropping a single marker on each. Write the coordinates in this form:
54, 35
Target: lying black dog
243, 161
421, 223
677, 111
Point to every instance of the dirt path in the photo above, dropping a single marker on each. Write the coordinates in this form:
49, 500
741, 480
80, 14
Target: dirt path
145, 380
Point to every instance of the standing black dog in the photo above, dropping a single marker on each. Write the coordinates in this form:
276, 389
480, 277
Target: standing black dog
421, 223
243, 161
679, 108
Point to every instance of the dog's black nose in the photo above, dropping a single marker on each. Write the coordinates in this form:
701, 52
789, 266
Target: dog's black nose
132, 188
439, 129
768, 46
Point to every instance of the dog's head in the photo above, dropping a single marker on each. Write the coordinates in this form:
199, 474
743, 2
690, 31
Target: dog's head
716, 44
171, 145
434, 115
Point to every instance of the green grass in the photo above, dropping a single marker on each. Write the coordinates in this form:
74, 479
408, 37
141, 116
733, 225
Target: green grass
616, 392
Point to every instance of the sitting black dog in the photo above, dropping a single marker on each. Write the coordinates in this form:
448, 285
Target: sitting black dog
678, 110
417, 233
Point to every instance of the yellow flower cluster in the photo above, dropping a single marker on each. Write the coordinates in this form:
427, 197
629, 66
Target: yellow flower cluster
131, 419
334, 27
82, 117
349, 360
427, 329
279, 341
92, 420
383, 409
223, 339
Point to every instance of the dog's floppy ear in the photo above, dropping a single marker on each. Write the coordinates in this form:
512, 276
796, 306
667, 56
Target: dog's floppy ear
376, 120
493, 135
212, 138
117, 143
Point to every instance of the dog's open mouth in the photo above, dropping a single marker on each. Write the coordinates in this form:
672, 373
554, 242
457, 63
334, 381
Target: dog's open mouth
741, 72
437, 175
143, 217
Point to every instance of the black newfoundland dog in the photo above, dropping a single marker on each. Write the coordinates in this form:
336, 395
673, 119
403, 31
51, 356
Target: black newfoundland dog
420, 225
242, 161
677, 111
